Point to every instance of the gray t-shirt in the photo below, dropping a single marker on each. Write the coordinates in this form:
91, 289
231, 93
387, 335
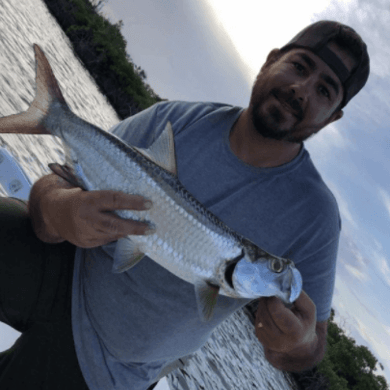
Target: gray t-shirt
128, 326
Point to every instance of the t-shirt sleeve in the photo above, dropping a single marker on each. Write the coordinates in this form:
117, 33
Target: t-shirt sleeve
319, 247
319, 280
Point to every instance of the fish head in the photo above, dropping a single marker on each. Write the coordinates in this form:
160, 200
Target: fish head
260, 274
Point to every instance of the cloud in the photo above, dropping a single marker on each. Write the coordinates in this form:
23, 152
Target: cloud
362, 276
378, 245
387, 329
383, 267
371, 331
385, 198
345, 212
328, 138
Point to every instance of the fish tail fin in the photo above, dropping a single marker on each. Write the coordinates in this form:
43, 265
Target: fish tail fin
47, 93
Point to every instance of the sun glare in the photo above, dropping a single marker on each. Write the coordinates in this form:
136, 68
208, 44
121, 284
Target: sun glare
256, 28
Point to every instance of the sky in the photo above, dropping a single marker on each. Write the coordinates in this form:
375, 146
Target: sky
212, 50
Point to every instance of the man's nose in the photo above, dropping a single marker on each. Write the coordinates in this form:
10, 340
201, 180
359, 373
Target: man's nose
301, 91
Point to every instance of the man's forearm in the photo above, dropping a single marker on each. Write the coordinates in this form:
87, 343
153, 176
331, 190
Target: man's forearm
298, 361
41, 205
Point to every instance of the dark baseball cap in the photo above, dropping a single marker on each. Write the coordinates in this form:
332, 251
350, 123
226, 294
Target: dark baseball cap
315, 38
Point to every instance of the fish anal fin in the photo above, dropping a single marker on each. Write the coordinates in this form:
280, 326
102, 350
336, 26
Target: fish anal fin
206, 298
126, 255
162, 151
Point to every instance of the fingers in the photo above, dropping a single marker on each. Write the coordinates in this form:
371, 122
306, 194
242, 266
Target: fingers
280, 329
109, 200
304, 306
275, 316
118, 227
264, 314
89, 220
110, 227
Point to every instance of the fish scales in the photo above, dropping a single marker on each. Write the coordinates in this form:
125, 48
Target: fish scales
182, 221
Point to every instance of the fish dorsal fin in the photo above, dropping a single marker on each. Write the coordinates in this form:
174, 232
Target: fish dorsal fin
162, 151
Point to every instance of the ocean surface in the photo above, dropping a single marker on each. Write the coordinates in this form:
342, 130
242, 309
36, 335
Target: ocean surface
232, 358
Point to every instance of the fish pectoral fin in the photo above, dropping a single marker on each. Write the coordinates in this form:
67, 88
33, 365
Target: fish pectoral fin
64, 172
162, 151
126, 255
206, 298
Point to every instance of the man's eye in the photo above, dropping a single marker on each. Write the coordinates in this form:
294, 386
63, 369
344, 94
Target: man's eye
325, 92
299, 67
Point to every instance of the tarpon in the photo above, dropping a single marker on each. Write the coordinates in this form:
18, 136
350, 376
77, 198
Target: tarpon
189, 240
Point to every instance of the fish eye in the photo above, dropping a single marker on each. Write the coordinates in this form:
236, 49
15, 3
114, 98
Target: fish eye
276, 265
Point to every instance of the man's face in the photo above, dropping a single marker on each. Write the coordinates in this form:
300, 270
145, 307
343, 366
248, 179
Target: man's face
296, 95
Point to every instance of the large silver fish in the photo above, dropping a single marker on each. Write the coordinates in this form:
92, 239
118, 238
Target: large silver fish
189, 241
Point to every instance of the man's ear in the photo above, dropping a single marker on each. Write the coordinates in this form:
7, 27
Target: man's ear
333, 118
336, 116
271, 58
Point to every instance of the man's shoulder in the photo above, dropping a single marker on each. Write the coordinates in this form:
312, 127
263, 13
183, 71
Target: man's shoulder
142, 128
183, 115
191, 111
181, 104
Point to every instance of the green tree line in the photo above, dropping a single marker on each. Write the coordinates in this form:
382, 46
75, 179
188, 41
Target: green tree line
346, 366
101, 47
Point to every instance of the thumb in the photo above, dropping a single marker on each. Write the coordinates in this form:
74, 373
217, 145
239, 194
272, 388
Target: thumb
304, 306
283, 317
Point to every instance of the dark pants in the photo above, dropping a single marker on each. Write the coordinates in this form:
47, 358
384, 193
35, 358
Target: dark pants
35, 299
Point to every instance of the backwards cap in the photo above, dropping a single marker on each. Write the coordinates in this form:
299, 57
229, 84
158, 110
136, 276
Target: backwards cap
315, 38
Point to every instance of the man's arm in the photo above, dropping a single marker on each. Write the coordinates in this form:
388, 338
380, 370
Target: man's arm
40, 206
304, 359
61, 212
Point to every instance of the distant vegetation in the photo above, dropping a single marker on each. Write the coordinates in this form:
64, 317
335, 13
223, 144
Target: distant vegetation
346, 366
101, 47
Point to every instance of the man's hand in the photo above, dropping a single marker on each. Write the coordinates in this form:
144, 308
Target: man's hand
287, 331
62, 212
86, 220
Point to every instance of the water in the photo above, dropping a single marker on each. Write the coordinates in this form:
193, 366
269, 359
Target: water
233, 358
23, 23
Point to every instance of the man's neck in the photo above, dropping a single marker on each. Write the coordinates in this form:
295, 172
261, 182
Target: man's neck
252, 148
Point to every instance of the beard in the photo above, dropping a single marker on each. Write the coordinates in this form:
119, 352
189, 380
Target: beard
269, 125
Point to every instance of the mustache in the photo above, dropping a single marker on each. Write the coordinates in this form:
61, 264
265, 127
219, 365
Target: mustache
288, 98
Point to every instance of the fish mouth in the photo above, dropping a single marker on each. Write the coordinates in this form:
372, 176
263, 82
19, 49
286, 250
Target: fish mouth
296, 285
230, 269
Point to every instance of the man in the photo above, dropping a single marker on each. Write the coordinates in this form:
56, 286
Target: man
251, 169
